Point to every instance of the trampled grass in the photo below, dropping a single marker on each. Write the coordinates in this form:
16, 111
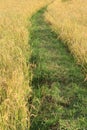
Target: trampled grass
69, 19
14, 55
59, 98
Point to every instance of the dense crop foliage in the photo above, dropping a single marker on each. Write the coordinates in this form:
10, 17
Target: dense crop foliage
69, 18
14, 55
59, 98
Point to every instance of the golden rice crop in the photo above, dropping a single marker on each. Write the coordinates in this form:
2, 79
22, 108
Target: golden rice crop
69, 19
14, 53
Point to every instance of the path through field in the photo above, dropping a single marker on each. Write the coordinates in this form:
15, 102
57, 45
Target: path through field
59, 92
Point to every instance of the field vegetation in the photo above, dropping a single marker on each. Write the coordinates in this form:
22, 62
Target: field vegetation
59, 98
69, 20
14, 55
41, 85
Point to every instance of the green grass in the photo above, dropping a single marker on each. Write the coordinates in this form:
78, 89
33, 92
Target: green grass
59, 100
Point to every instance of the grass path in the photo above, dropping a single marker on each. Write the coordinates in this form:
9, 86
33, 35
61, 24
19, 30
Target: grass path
60, 96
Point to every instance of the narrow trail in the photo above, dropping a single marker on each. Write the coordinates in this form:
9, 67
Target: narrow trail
58, 84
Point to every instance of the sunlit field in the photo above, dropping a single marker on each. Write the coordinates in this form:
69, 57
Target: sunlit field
69, 19
42, 84
14, 56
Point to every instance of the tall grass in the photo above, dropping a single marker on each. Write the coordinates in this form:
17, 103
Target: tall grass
69, 19
14, 55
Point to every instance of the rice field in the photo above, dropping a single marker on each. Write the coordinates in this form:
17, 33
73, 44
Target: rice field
14, 56
69, 20
18, 32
